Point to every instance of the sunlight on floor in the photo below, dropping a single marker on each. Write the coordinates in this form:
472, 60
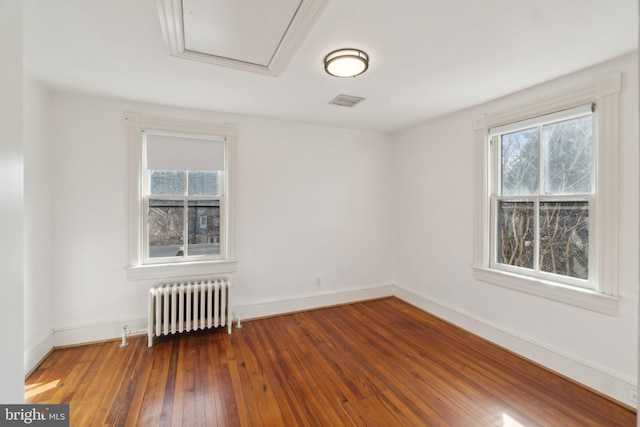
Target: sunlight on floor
35, 389
507, 421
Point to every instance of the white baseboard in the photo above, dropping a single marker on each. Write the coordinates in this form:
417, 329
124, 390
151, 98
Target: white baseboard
598, 378
37, 351
272, 307
97, 332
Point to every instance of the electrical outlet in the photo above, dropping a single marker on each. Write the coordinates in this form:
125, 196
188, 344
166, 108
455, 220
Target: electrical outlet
318, 281
633, 395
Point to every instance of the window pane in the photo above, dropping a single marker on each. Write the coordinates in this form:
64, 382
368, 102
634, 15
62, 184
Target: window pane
567, 156
204, 227
166, 183
564, 238
205, 183
519, 162
166, 228
515, 234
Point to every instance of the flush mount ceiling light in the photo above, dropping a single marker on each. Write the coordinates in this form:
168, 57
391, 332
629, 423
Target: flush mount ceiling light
346, 62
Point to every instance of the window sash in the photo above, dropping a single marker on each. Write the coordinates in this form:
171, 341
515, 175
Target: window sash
185, 231
535, 271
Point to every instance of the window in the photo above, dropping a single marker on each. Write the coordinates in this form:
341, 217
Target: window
180, 192
183, 187
542, 194
546, 199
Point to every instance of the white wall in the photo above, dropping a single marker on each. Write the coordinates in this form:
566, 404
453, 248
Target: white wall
434, 233
310, 201
11, 208
38, 224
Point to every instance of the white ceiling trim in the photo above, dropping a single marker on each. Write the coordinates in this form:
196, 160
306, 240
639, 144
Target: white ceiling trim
171, 22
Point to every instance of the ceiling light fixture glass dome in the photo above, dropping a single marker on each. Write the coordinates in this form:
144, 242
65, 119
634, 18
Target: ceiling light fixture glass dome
346, 62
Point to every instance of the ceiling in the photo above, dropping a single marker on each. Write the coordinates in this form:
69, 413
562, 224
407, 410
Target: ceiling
428, 57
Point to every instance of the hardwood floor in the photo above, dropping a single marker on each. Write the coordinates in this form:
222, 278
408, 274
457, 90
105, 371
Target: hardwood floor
375, 363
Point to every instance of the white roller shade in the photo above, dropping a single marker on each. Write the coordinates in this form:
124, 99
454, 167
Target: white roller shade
182, 152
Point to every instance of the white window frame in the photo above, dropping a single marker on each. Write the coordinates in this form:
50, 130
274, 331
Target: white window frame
140, 268
604, 213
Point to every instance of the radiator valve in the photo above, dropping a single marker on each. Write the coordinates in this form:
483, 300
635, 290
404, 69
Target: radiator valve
236, 318
124, 342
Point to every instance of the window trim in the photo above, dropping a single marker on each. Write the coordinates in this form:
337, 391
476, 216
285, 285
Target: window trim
604, 299
135, 124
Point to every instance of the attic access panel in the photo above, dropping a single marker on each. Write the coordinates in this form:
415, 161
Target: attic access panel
253, 35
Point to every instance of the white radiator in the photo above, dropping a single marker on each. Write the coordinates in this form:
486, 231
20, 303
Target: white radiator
183, 307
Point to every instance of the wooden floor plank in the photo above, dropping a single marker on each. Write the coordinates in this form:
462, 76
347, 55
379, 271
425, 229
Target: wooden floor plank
153, 394
380, 362
137, 380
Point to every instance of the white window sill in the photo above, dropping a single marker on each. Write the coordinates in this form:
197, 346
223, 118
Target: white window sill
583, 298
186, 269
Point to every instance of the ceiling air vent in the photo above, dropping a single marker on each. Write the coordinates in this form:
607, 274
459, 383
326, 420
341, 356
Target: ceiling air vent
346, 100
